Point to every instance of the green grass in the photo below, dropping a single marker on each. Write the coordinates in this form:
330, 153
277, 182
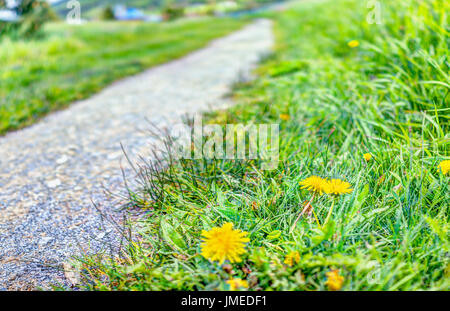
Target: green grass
387, 97
73, 62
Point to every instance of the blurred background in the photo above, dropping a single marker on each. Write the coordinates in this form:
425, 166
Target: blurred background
26, 17
54, 52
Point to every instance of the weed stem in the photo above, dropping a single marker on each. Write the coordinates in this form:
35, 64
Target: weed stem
302, 212
329, 214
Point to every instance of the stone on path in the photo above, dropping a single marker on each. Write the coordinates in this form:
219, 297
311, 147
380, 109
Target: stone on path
52, 171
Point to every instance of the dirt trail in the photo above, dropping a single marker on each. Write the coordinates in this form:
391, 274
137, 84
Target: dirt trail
50, 172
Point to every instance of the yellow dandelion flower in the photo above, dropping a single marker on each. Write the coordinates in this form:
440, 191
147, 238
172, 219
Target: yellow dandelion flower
291, 258
367, 157
444, 166
334, 280
237, 283
337, 187
314, 184
224, 243
285, 116
353, 44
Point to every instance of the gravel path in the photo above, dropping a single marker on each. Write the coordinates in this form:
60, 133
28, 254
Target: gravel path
51, 172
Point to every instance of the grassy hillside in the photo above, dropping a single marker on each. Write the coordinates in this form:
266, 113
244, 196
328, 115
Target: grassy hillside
71, 63
363, 103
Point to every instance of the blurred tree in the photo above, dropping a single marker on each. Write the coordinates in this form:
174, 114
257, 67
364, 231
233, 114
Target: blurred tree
27, 6
172, 11
107, 14
32, 16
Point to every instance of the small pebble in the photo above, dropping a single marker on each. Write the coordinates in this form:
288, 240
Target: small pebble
62, 160
54, 183
45, 241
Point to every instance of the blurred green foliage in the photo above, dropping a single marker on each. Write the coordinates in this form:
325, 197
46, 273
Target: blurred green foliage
172, 11
107, 14
32, 14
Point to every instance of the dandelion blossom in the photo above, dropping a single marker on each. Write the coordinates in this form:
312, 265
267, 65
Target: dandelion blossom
291, 258
353, 44
224, 243
237, 283
445, 166
314, 183
337, 187
334, 280
367, 157
285, 116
